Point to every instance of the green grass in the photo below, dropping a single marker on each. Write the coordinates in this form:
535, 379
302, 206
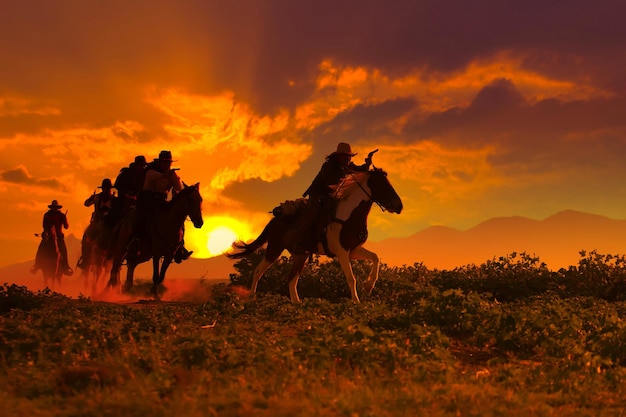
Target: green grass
424, 343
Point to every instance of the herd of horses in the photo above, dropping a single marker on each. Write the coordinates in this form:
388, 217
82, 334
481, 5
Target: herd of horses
99, 256
344, 233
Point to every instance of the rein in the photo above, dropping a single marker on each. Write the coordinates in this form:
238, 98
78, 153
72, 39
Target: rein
369, 196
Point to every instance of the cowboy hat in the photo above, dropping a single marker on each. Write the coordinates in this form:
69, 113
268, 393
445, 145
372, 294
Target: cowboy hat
165, 156
343, 149
106, 184
140, 160
54, 205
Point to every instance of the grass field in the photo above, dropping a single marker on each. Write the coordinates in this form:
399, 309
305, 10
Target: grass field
506, 338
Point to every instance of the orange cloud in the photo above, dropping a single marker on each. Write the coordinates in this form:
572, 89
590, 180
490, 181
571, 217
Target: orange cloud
342, 88
445, 174
16, 106
240, 144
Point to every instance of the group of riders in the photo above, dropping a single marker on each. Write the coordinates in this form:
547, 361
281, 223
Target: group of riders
144, 188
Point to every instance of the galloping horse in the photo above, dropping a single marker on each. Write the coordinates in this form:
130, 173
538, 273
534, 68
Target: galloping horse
344, 235
165, 238
48, 258
93, 260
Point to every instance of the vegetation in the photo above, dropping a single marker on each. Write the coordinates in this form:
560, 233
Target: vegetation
508, 337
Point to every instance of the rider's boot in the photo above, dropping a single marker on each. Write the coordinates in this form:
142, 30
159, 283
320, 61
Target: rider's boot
66, 269
182, 254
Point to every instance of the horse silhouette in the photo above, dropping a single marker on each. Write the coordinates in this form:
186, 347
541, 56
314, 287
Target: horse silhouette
48, 258
94, 261
164, 240
343, 237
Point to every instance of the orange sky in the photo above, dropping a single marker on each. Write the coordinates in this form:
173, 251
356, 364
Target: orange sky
480, 110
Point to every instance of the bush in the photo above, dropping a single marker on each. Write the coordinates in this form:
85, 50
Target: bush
18, 297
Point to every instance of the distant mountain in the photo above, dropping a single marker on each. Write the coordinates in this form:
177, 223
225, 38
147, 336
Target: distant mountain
556, 240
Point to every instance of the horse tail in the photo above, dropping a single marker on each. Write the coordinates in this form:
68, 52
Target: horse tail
246, 249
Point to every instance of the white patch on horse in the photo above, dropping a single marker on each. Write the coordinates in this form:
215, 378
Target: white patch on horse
351, 200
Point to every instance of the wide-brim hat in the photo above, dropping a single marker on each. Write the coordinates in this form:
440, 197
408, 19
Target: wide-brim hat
54, 204
165, 156
140, 160
343, 149
106, 183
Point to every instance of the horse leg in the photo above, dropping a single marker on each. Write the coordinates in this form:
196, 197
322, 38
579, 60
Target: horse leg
361, 253
130, 275
333, 234
167, 261
344, 260
161, 277
258, 273
297, 265
155, 276
272, 253
114, 277
96, 276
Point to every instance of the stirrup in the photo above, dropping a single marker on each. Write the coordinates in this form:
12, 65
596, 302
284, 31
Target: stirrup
182, 254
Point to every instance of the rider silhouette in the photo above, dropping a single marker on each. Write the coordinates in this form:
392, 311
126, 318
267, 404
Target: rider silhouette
336, 166
101, 223
54, 218
160, 180
102, 202
129, 183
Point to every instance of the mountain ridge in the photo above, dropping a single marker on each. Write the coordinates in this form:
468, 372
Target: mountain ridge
557, 240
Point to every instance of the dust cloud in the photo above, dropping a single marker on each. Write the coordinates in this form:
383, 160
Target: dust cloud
77, 286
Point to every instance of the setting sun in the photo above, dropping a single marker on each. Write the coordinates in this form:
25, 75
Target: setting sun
216, 236
220, 240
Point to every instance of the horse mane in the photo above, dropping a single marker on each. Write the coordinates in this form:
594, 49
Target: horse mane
186, 190
348, 185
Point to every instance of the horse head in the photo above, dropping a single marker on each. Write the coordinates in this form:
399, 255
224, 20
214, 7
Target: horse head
383, 192
190, 194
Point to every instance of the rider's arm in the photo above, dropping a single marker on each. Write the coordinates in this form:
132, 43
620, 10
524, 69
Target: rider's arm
177, 185
358, 168
91, 200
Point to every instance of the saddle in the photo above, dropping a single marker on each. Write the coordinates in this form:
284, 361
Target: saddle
308, 230
290, 208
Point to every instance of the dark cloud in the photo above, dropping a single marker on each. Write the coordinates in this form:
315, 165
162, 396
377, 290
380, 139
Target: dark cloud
263, 196
367, 120
499, 109
104, 53
21, 176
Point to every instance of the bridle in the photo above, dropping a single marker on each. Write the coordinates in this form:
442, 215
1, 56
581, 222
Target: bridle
369, 195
